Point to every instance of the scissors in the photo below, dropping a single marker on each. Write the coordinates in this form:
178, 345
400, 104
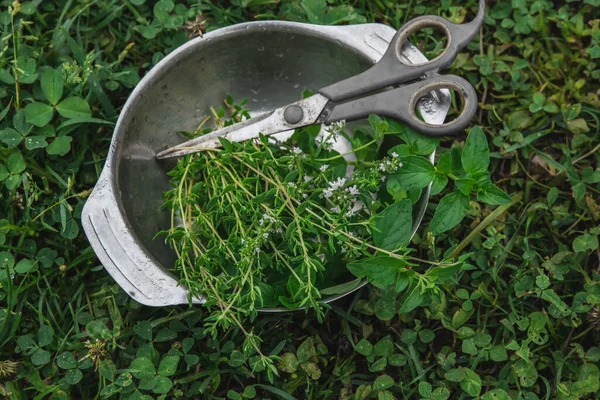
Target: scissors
389, 88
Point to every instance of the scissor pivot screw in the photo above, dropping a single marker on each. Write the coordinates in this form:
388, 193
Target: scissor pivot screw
293, 114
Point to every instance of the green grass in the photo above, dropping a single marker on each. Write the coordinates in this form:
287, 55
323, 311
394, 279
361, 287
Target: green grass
518, 321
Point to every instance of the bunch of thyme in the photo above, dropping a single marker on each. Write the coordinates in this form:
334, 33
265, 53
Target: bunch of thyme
267, 224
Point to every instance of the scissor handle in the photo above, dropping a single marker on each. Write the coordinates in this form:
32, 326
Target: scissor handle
392, 70
401, 103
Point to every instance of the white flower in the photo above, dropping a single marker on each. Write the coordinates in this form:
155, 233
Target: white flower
382, 167
257, 250
334, 210
327, 193
279, 230
297, 150
383, 178
304, 196
353, 190
400, 165
242, 241
307, 178
324, 167
394, 154
282, 148
337, 184
349, 213
266, 235
291, 184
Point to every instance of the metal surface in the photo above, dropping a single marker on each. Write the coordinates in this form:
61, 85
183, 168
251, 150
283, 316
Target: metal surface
270, 63
398, 103
268, 124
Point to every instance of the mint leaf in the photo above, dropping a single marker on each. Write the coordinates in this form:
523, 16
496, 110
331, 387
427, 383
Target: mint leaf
476, 154
393, 226
415, 171
492, 194
380, 271
412, 299
449, 212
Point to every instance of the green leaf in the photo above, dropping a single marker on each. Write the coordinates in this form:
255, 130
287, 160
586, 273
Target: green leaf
450, 212
288, 363
143, 329
419, 144
364, 347
306, 350
35, 142
74, 107
495, 394
476, 153
341, 288
45, 335
471, 384
249, 392
412, 298
73, 377
60, 146
455, 375
97, 329
425, 389
168, 366
465, 185
498, 353
15, 163
585, 243
66, 360
10, 137
393, 226
40, 357
23, 266
381, 271
440, 181
3, 173
416, 171
39, 114
384, 347
492, 194
52, 85
385, 306
143, 368
163, 385
315, 10
383, 382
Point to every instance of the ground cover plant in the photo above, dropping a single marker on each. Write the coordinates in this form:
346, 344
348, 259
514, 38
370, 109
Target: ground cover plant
519, 319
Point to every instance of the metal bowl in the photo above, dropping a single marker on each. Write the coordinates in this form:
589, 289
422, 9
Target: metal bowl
269, 63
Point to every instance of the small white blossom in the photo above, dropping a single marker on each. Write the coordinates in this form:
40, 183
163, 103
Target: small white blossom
307, 178
242, 241
334, 210
291, 184
282, 148
400, 165
257, 250
337, 184
297, 150
266, 235
327, 193
324, 167
353, 190
304, 196
395, 155
349, 213
383, 178
278, 230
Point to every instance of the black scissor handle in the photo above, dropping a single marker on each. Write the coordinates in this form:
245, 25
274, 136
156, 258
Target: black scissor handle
400, 104
391, 70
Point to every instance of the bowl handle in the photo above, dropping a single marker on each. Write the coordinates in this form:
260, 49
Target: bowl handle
115, 246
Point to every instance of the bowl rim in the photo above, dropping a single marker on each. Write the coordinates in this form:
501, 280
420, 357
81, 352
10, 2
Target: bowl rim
120, 251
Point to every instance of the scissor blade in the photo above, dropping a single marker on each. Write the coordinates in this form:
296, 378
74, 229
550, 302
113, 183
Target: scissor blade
268, 124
